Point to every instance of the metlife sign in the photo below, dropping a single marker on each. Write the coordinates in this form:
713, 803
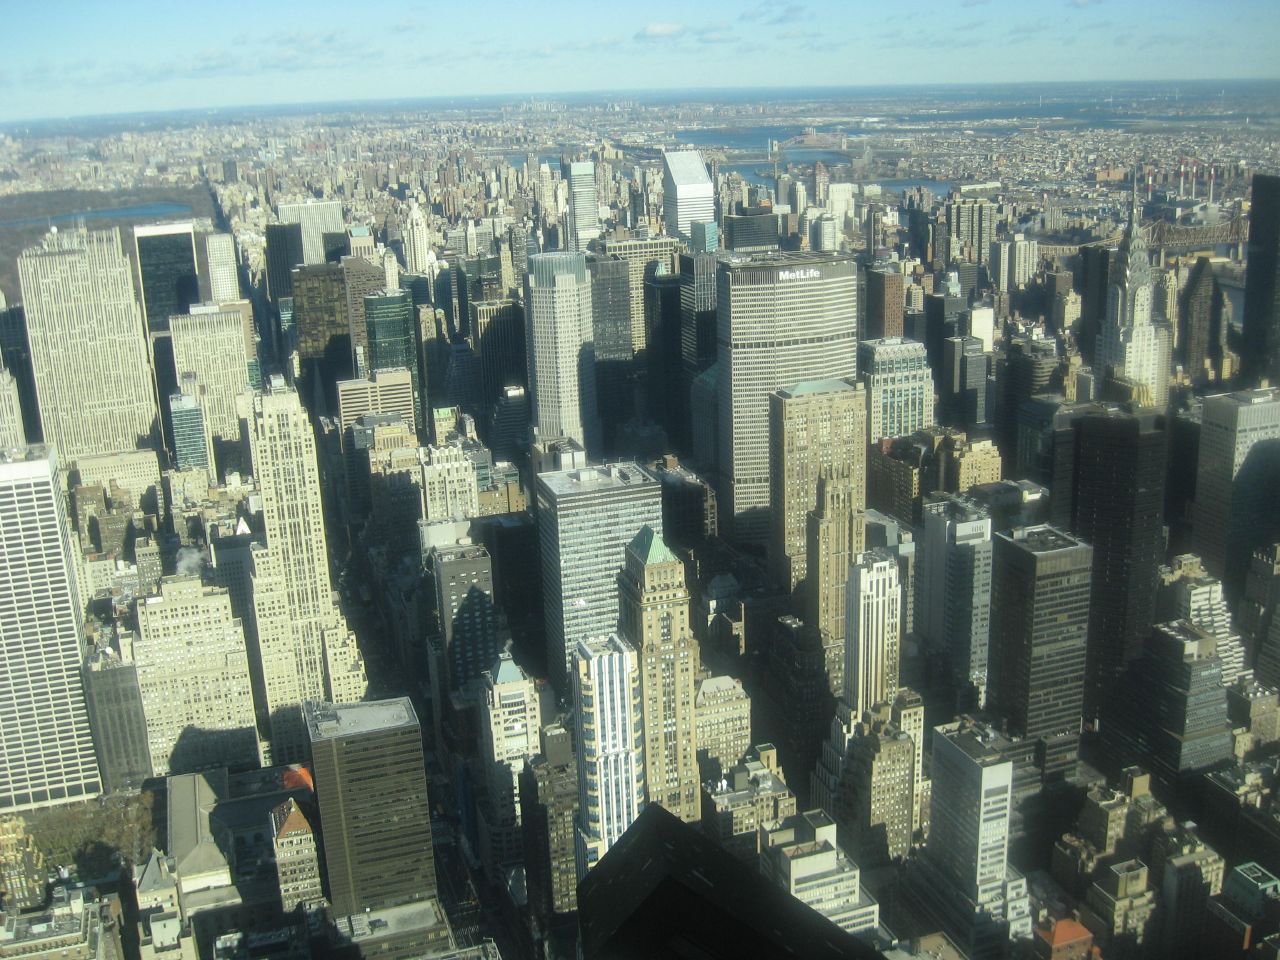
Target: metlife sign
810, 273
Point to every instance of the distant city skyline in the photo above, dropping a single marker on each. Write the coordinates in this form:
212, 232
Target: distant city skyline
144, 56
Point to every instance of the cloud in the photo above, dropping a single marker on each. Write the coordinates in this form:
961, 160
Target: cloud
660, 31
769, 14
970, 26
974, 3
1081, 4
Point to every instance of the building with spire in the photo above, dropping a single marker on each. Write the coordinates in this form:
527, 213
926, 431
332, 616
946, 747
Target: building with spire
1135, 346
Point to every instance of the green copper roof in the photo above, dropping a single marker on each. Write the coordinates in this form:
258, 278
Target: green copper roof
648, 545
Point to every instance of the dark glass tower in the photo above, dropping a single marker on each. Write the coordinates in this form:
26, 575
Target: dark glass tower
1118, 480
1260, 357
167, 271
284, 252
614, 359
371, 782
662, 361
1202, 328
1039, 625
393, 336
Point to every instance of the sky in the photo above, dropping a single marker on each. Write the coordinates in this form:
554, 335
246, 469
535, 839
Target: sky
63, 58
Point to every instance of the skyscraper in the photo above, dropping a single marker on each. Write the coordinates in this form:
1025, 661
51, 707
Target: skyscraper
1040, 628
885, 303
697, 314
371, 784
417, 240
305, 650
166, 256
1234, 512
463, 575
1134, 344
687, 193
610, 740
12, 433
954, 571
193, 675
284, 253
79, 302
873, 623
899, 387
192, 443
653, 608
559, 339
1261, 354
45, 742
511, 720
584, 204
781, 319
816, 428
1203, 319
221, 267
394, 338
316, 217
835, 534
211, 345
586, 518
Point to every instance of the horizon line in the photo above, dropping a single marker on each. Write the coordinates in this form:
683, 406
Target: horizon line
691, 95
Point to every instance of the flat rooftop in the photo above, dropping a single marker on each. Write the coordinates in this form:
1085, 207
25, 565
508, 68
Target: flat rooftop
328, 721
612, 476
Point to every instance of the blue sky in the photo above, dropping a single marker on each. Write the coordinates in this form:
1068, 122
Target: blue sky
72, 57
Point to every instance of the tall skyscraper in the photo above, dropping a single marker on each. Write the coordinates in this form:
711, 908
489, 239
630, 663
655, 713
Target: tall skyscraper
316, 217
211, 345
192, 442
511, 720
954, 574
394, 338
193, 676
548, 814
816, 428
305, 650
873, 622
1040, 629
371, 784
1203, 318
644, 257
89, 351
781, 319
584, 204
166, 257
586, 518
46, 750
899, 387
835, 534
284, 253
222, 267
697, 315
610, 742
463, 575
687, 193
1134, 344
559, 339
12, 433
653, 608
885, 304
1234, 512
417, 240
1261, 354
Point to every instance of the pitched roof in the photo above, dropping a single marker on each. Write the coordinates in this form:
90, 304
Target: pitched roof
649, 546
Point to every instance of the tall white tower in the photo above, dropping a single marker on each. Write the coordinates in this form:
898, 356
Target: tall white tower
584, 204
306, 651
560, 345
687, 194
611, 769
46, 751
417, 240
89, 353
873, 621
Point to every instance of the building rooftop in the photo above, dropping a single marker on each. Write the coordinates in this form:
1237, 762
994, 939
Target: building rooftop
585, 480
1042, 538
649, 546
687, 168
807, 388
329, 721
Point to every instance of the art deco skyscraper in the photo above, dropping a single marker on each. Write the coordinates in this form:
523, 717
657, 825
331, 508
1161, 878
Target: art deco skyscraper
781, 319
687, 193
305, 649
1133, 343
89, 352
653, 608
873, 620
317, 217
835, 533
559, 341
417, 240
211, 344
11, 429
1261, 355
221, 267
46, 751
817, 427
610, 741
900, 397
371, 784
